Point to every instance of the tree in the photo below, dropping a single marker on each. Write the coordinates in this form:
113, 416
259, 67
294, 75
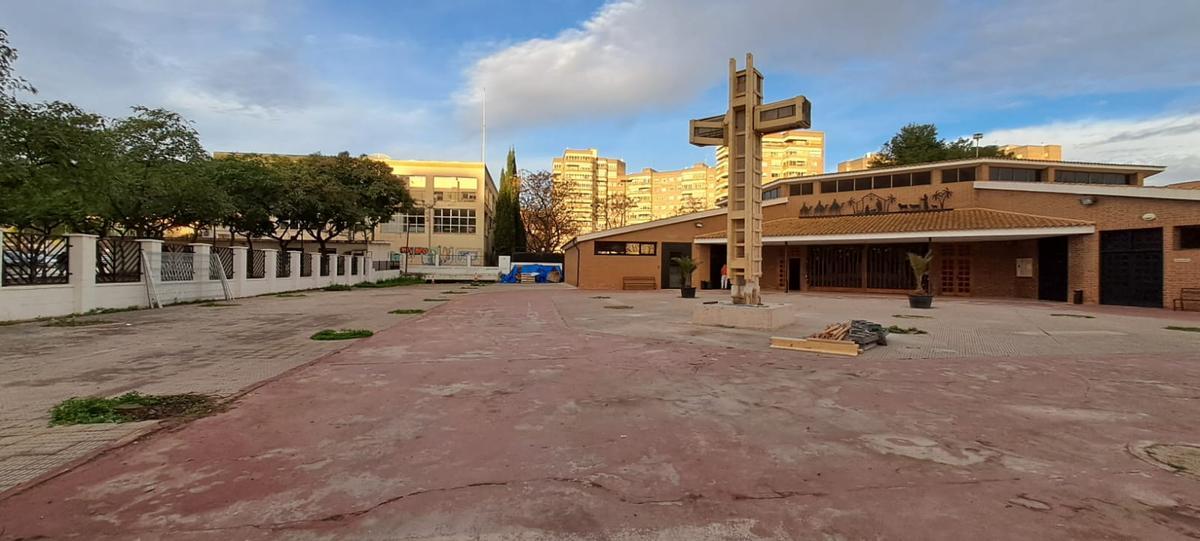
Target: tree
504, 233
919, 143
255, 193
340, 194
514, 181
689, 205
547, 217
616, 211
53, 159
10, 83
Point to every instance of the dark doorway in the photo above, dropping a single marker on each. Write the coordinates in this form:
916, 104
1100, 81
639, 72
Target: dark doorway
794, 275
1052, 269
672, 278
1131, 267
716, 260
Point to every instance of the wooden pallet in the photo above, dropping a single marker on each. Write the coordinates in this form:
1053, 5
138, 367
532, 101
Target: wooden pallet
844, 348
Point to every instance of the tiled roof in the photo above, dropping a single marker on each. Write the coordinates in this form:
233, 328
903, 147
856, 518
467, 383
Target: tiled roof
1189, 185
907, 222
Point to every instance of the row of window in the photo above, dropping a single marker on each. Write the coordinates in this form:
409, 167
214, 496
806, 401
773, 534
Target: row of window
626, 248
898, 180
1091, 177
444, 221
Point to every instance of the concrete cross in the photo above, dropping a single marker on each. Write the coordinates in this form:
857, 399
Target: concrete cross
740, 130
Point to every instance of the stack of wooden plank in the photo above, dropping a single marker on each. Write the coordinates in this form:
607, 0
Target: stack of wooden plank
847, 338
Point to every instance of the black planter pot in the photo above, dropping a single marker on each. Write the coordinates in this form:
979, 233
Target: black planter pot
920, 301
687, 292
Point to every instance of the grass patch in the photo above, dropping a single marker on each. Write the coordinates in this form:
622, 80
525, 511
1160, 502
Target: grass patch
338, 287
436, 300
129, 407
289, 295
407, 311
896, 329
393, 282
911, 316
1074, 315
74, 322
219, 304
342, 334
618, 306
601, 297
1185, 329
454, 293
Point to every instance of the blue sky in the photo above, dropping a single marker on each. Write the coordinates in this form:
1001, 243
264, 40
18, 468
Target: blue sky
1110, 81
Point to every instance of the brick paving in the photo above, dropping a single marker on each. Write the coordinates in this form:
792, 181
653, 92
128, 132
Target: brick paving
185, 348
536, 413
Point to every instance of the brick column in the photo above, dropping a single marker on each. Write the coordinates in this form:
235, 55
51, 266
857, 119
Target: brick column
238, 283
201, 262
270, 267
81, 265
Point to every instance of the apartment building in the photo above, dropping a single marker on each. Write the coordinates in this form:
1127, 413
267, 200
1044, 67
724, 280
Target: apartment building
651, 194
590, 176
857, 164
455, 211
788, 154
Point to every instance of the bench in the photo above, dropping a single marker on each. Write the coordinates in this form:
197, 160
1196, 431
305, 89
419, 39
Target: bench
1187, 295
638, 282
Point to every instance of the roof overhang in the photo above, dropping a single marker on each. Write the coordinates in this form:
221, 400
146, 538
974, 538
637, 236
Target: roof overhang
962, 235
1092, 189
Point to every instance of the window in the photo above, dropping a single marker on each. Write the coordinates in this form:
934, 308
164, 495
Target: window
801, 189
773, 193
863, 183
845, 185
828, 186
1091, 177
1015, 175
1188, 237
416, 182
625, 248
401, 223
453, 220
882, 181
922, 178
901, 180
964, 174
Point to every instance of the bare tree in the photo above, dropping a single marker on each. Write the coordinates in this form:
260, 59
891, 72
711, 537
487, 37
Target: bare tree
689, 204
548, 221
618, 209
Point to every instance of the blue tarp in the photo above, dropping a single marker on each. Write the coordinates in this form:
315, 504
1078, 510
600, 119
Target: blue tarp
542, 272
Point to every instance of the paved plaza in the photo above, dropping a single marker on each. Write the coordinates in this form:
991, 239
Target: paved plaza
539, 412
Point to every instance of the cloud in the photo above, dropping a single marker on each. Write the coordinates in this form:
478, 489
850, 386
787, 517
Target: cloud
634, 56
1171, 140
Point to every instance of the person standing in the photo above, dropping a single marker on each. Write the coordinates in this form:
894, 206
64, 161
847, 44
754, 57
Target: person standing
725, 276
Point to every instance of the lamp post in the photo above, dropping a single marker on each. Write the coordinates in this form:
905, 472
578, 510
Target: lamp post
977, 137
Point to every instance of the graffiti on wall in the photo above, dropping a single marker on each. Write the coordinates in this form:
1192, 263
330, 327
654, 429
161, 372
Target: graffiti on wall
876, 204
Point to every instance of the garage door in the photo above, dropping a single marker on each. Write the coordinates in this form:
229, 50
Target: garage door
1131, 267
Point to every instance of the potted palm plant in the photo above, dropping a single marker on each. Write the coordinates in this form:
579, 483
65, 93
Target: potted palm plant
686, 266
920, 297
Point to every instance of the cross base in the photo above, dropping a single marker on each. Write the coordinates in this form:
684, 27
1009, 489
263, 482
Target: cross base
746, 293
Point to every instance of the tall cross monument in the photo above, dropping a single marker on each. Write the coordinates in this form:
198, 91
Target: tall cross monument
740, 130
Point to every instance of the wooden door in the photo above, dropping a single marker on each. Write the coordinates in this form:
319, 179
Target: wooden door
956, 269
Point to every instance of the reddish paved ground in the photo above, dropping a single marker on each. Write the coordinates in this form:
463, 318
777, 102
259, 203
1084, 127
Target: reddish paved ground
489, 419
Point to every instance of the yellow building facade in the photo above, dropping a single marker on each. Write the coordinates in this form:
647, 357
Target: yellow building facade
590, 177
454, 216
1020, 152
787, 154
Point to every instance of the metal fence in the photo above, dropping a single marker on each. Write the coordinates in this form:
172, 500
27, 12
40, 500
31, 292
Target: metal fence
305, 264
387, 265
118, 261
283, 264
353, 265
225, 256
324, 264
256, 264
178, 263
341, 265
32, 259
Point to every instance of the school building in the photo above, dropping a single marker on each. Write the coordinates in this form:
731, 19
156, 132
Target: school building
998, 227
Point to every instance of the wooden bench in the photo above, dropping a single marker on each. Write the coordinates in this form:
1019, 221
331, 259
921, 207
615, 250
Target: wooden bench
638, 282
1187, 295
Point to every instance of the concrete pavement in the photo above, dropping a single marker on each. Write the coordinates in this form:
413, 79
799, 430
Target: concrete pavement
499, 416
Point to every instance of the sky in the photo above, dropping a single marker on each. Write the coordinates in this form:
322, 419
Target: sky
1110, 81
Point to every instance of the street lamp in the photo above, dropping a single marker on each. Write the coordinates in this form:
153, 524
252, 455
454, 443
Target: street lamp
977, 137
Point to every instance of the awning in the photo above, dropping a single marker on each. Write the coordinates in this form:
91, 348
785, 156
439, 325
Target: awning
954, 225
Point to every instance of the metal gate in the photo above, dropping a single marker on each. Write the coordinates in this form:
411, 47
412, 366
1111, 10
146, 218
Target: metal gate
1131, 267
